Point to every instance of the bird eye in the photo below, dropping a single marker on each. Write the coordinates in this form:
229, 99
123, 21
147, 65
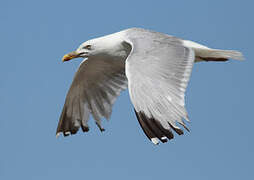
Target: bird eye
87, 47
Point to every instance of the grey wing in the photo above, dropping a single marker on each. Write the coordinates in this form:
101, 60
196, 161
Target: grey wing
158, 70
94, 89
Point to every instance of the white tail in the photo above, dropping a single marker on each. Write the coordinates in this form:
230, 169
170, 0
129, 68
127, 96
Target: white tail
220, 54
204, 53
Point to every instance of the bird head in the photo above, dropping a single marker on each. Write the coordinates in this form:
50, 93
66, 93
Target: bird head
84, 51
103, 47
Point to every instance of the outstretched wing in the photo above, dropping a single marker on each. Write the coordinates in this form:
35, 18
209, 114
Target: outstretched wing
94, 89
158, 70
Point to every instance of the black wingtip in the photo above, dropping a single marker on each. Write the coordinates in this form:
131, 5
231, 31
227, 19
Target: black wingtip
164, 140
153, 128
102, 129
177, 130
84, 128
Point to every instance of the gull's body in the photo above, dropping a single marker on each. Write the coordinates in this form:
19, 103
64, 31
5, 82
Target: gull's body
154, 66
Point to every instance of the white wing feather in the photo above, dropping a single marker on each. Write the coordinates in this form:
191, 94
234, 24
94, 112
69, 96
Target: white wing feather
158, 70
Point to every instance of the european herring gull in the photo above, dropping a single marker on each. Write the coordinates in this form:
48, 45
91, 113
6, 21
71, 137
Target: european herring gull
154, 66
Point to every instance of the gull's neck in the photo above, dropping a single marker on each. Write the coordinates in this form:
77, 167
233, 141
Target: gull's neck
112, 46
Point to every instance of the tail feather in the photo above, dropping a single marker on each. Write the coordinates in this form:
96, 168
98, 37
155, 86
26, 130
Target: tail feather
220, 54
204, 53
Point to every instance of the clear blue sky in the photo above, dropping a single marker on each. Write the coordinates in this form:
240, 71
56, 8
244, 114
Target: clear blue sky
33, 83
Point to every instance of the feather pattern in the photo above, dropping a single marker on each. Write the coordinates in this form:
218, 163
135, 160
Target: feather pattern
158, 70
95, 87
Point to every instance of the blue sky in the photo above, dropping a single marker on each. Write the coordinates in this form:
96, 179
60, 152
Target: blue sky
33, 84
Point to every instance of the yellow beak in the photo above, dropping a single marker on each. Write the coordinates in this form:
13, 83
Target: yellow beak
70, 56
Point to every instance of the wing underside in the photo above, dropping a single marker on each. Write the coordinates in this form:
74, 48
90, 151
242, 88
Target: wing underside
94, 89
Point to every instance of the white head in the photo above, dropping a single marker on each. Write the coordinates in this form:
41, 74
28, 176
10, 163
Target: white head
106, 46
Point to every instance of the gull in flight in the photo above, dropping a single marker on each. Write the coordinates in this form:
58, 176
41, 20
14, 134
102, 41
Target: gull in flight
155, 67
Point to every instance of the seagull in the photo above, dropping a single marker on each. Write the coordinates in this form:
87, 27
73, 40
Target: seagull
155, 67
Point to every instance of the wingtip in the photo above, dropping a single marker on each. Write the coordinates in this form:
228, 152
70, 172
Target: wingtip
164, 139
102, 129
67, 133
187, 118
58, 134
155, 141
